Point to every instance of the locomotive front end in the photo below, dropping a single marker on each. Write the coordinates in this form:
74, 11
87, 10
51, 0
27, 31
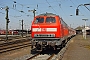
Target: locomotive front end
45, 30
44, 27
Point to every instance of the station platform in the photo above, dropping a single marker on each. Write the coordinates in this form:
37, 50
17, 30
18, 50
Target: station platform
78, 49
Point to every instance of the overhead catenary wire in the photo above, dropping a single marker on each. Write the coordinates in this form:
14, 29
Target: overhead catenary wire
81, 7
64, 12
40, 5
84, 11
60, 6
51, 6
14, 8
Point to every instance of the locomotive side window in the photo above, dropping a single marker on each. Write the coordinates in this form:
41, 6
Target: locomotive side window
50, 20
39, 20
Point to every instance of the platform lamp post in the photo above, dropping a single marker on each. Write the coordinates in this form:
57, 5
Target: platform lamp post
84, 34
7, 20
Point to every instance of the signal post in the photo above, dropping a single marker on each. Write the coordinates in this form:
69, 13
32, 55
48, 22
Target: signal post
7, 21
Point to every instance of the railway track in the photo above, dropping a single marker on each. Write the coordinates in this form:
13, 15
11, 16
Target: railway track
38, 56
14, 41
9, 37
12, 37
18, 44
13, 45
52, 56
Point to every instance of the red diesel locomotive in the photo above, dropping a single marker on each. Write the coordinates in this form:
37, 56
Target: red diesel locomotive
49, 30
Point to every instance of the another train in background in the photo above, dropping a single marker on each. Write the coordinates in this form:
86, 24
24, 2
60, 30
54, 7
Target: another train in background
15, 32
10, 32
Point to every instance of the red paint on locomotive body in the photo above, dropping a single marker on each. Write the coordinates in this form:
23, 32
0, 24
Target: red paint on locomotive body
53, 27
49, 29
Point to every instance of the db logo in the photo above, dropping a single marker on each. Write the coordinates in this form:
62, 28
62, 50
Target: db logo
43, 29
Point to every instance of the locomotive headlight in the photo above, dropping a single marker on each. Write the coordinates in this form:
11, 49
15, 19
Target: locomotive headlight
52, 35
36, 35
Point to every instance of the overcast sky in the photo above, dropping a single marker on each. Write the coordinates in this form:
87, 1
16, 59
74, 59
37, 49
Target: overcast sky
64, 8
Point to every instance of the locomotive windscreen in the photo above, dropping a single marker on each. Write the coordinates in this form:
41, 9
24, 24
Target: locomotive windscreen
47, 20
50, 20
39, 20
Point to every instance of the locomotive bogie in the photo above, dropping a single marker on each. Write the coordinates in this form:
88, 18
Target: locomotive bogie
47, 44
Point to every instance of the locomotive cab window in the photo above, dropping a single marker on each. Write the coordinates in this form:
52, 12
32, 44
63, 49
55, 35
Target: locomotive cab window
50, 20
39, 20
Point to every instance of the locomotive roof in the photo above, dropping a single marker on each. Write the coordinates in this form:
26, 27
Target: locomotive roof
47, 14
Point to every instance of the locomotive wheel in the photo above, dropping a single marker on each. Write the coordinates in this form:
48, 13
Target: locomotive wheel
56, 47
63, 44
32, 47
38, 47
